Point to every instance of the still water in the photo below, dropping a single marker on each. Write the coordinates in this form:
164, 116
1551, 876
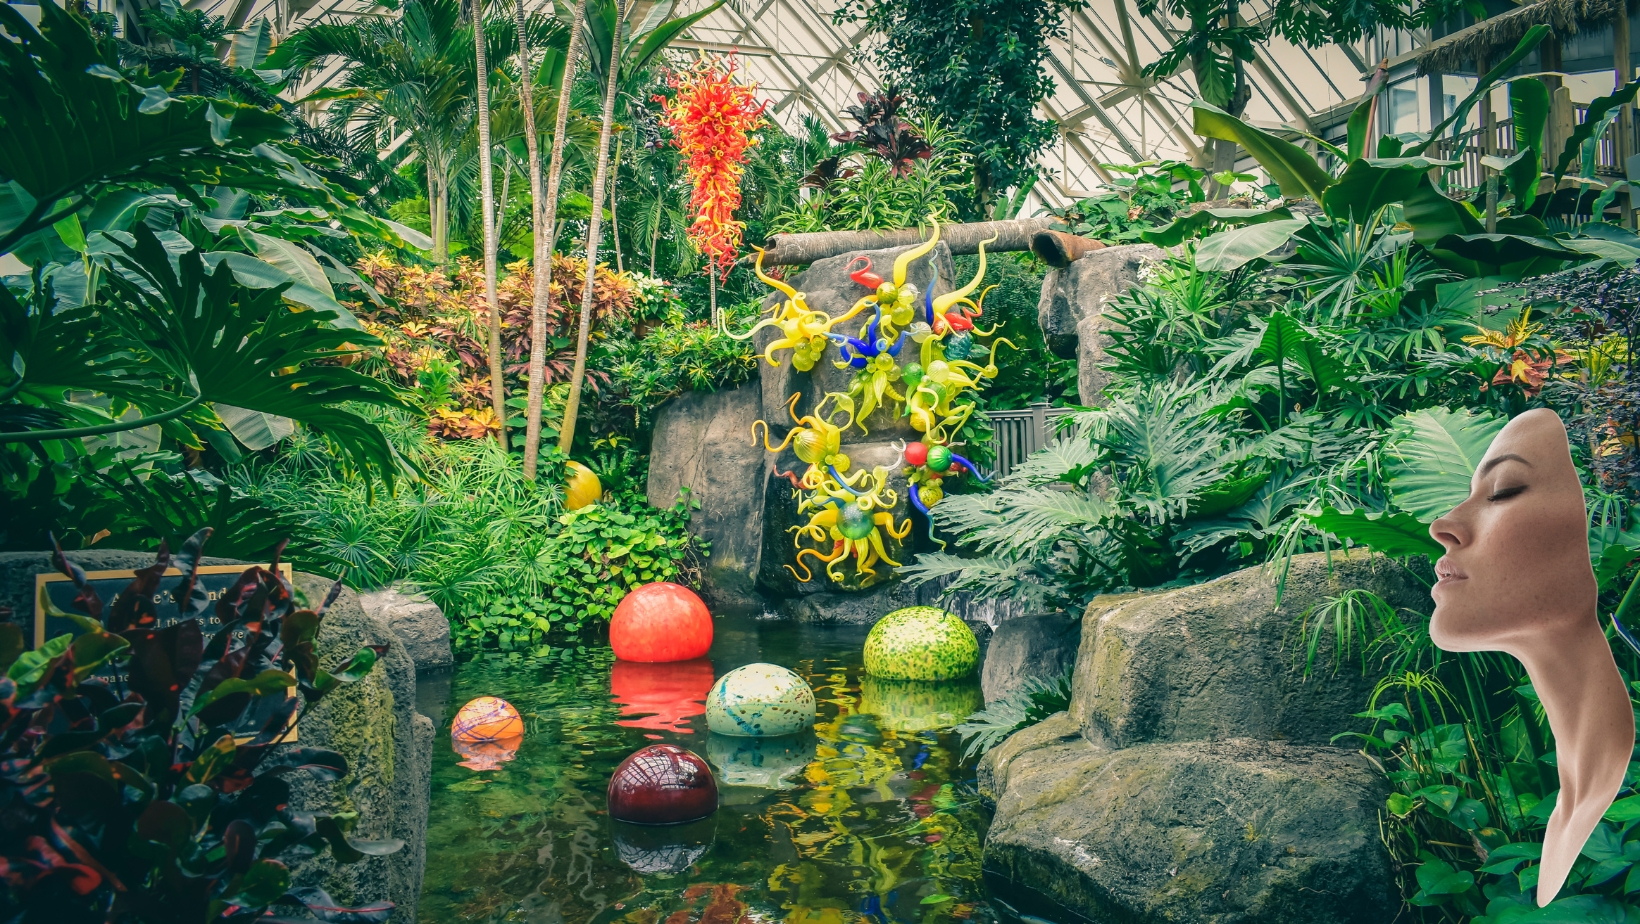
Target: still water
872, 817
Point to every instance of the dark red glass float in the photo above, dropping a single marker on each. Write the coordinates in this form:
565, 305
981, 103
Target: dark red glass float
665, 694
662, 785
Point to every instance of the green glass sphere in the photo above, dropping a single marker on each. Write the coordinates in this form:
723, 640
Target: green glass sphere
854, 523
939, 458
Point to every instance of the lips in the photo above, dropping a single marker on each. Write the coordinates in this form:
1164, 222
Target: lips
1448, 573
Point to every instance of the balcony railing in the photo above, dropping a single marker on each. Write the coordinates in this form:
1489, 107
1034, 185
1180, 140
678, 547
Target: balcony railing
1471, 175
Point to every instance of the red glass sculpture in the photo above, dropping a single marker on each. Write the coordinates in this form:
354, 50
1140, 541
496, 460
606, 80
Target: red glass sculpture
661, 622
662, 785
664, 695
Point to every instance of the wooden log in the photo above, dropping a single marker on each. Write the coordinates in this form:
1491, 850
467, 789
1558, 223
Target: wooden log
799, 249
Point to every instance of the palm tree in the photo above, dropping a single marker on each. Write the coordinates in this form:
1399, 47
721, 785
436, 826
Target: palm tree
594, 233
498, 389
413, 73
546, 230
539, 304
618, 66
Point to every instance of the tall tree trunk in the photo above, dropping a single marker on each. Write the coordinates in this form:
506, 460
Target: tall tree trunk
614, 223
498, 389
594, 231
655, 232
547, 209
441, 221
541, 258
432, 208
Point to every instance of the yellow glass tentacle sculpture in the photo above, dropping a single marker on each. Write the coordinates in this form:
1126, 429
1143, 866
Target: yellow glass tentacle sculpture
944, 302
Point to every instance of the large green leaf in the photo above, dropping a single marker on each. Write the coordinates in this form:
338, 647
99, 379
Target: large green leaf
1498, 249
71, 123
1393, 534
1230, 249
1368, 185
258, 274
294, 260
238, 342
1594, 124
1182, 229
1529, 102
1483, 86
1433, 458
250, 47
1294, 170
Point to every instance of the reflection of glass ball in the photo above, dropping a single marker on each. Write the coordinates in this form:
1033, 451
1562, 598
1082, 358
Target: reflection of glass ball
760, 699
486, 718
668, 693
920, 705
489, 754
668, 851
662, 785
772, 763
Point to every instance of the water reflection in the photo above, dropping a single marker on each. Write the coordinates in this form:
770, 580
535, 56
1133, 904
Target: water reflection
772, 763
662, 851
666, 694
487, 755
870, 815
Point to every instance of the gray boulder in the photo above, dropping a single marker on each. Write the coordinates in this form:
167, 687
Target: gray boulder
420, 626
1229, 832
703, 441
1042, 645
389, 750
1221, 660
827, 287
1072, 309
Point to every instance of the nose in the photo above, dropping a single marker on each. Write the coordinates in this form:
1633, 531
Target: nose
1450, 530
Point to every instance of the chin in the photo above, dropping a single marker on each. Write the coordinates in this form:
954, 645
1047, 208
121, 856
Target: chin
1452, 632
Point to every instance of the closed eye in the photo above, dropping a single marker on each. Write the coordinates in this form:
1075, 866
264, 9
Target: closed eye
1506, 493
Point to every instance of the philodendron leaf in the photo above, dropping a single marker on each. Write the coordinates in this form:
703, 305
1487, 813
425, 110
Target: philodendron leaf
1393, 534
1231, 249
255, 429
1290, 166
1433, 458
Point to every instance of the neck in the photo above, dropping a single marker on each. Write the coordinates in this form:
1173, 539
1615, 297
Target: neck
1588, 708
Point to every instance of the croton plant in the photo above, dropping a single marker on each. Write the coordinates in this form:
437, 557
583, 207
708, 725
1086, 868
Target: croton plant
125, 794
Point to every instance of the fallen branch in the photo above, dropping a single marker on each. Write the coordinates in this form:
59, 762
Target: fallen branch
799, 249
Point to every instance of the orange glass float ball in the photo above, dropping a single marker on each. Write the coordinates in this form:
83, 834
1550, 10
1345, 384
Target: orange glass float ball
661, 622
488, 718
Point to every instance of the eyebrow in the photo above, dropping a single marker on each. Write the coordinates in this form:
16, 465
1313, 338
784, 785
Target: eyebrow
1489, 464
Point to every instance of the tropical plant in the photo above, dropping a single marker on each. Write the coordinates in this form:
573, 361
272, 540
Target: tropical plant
1142, 199
979, 65
875, 194
1035, 700
675, 357
121, 726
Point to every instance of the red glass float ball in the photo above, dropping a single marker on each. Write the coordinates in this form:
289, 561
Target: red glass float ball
916, 454
661, 622
662, 785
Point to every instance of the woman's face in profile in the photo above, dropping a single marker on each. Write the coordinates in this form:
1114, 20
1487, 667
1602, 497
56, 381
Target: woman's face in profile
1517, 550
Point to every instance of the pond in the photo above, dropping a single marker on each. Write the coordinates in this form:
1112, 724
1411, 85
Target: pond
873, 816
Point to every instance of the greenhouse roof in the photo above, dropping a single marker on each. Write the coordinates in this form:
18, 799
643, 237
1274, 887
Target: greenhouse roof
1107, 112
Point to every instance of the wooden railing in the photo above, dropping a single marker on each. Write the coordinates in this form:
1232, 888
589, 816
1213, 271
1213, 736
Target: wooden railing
1472, 175
1015, 434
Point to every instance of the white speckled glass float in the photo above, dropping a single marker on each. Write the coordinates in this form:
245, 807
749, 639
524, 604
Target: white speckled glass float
759, 701
921, 643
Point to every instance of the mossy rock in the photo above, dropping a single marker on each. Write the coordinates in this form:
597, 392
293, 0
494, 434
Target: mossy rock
921, 643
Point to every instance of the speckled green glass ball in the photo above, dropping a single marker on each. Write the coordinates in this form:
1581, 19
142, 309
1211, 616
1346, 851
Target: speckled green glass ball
854, 523
939, 458
921, 643
759, 700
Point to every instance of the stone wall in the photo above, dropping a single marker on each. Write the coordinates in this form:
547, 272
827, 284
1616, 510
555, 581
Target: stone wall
1072, 309
1192, 779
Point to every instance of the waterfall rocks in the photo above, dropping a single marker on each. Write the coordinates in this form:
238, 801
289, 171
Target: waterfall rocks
420, 626
1192, 779
1072, 309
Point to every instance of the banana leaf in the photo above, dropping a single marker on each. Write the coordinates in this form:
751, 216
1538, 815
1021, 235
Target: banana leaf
1294, 170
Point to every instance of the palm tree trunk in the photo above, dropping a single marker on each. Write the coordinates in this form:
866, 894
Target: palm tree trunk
594, 231
538, 306
498, 389
614, 225
547, 210
655, 233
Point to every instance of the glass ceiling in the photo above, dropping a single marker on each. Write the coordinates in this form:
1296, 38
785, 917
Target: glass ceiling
1106, 111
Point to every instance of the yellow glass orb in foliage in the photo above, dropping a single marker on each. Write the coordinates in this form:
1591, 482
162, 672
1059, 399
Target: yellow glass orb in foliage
582, 488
